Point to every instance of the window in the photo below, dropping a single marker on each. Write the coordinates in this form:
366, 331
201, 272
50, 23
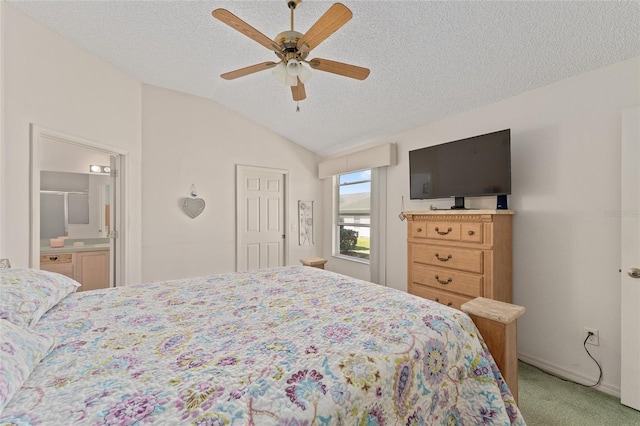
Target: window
354, 215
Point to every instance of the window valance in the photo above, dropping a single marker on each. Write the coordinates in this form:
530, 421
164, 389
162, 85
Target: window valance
379, 156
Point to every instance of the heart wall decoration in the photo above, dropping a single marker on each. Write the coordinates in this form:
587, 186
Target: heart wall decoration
193, 206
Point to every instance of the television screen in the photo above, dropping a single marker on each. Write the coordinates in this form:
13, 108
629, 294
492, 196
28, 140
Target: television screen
471, 167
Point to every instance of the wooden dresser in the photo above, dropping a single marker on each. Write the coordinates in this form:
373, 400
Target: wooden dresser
455, 256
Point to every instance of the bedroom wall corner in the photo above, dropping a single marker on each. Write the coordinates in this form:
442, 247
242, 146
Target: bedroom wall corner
192, 140
51, 82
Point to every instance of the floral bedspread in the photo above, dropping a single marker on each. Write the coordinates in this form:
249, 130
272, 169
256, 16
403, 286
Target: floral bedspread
285, 346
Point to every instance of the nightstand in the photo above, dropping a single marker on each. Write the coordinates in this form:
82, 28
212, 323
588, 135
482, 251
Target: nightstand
316, 262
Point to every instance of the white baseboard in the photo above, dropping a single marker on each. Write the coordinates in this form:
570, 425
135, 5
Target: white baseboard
568, 374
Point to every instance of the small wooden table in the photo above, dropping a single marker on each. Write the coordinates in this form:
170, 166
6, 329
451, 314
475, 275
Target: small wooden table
316, 262
497, 323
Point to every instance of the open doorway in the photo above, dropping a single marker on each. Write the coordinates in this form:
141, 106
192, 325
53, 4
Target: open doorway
76, 208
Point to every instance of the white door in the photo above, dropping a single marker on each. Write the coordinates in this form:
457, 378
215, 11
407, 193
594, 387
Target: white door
630, 291
260, 198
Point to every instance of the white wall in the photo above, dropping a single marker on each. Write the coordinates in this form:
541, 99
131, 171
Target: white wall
191, 140
53, 83
566, 177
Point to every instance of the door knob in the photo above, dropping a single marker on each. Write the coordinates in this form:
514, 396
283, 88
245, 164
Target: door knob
634, 272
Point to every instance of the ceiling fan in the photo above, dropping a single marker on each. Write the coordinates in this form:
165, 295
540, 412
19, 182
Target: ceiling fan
292, 48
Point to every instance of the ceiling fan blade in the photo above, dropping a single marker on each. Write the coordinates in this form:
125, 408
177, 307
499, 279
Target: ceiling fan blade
234, 22
298, 92
339, 68
334, 18
247, 70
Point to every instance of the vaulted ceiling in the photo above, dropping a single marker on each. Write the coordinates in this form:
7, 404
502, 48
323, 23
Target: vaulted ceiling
428, 59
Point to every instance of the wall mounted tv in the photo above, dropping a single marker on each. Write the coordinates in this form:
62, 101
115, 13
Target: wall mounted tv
473, 167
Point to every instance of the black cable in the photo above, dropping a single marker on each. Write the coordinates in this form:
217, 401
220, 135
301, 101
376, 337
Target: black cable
594, 360
571, 381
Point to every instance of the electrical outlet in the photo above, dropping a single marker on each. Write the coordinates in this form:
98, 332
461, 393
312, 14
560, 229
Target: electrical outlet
593, 339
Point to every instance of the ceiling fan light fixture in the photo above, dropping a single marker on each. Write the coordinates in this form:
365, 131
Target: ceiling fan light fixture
280, 72
305, 74
293, 67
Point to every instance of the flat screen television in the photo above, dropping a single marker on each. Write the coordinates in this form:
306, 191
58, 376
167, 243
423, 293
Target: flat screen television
473, 167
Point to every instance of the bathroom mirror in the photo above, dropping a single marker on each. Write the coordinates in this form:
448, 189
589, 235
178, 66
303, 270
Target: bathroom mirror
73, 205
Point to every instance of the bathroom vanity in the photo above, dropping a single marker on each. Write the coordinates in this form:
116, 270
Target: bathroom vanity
88, 264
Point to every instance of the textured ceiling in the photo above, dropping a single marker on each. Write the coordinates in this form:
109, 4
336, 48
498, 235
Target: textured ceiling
428, 59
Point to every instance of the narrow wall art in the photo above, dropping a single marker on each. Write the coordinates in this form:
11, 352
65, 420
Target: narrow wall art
305, 223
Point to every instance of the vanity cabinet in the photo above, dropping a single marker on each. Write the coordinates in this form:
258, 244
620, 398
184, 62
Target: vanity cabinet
92, 269
61, 263
456, 256
89, 268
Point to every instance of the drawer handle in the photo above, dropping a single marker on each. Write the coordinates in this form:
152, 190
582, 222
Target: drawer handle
443, 259
443, 282
438, 300
470, 232
443, 232
53, 258
419, 230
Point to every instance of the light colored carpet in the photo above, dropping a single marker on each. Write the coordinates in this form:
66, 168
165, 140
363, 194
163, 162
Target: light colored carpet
545, 400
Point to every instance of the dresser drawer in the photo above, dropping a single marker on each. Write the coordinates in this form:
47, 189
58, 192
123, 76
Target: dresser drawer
448, 280
418, 229
443, 297
448, 257
443, 231
471, 232
61, 263
53, 259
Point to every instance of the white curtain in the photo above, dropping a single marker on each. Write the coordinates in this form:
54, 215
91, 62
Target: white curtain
378, 245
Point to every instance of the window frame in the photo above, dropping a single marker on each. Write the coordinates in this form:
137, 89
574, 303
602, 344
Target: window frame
336, 216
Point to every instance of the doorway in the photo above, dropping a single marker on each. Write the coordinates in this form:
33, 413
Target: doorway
76, 208
261, 219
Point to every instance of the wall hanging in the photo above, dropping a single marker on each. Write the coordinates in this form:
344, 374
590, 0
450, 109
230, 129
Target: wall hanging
193, 206
305, 223
402, 215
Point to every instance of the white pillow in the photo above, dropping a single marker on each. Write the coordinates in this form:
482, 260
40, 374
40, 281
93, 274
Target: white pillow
21, 349
27, 294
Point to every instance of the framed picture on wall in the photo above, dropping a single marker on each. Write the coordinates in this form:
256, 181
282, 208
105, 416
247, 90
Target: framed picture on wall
305, 223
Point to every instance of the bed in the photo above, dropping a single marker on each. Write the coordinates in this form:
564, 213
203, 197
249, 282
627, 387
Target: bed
285, 346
